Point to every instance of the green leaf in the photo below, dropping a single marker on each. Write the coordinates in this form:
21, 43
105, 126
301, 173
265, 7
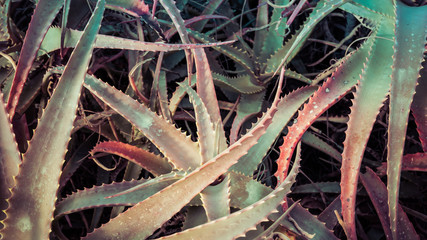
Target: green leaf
411, 33
33, 199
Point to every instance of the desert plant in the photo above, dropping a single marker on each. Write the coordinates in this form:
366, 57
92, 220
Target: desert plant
209, 174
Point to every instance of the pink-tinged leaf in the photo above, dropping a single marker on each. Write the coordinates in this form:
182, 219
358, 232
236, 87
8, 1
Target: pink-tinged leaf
369, 97
410, 162
142, 219
178, 148
335, 87
9, 158
238, 223
43, 16
147, 160
206, 91
285, 110
411, 33
378, 194
33, 197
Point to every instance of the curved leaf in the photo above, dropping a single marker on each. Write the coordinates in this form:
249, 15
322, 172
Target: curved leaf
33, 197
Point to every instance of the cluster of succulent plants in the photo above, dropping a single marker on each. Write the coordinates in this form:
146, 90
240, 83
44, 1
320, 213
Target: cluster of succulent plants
130, 119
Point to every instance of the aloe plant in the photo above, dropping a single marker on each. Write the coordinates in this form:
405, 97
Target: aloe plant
206, 175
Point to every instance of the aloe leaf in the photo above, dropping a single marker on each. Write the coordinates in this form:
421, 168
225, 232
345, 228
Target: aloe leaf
4, 30
179, 94
241, 83
342, 80
171, 199
9, 158
216, 199
248, 106
179, 149
323, 8
126, 193
43, 16
304, 223
52, 42
410, 162
382, 7
206, 91
328, 215
370, 94
418, 107
411, 33
239, 222
245, 191
285, 110
366, 15
261, 33
238, 55
147, 160
205, 130
275, 33
378, 194
33, 198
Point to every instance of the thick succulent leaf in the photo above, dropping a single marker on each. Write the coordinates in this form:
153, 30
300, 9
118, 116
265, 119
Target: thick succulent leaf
33, 198
365, 15
419, 108
241, 83
205, 128
216, 199
378, 194
147, 160
285, 110
4, 30
241, 221
342, 80
328, 215
239, 56
383, 7
9, 158
411, 33
304, 223
275, 33
126, 193
142, 219
245, 191
179, 94
206, 91
52, 42
261, 33
323, 8
43, 16
370, 94
410, 162
179, 149
248, 106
